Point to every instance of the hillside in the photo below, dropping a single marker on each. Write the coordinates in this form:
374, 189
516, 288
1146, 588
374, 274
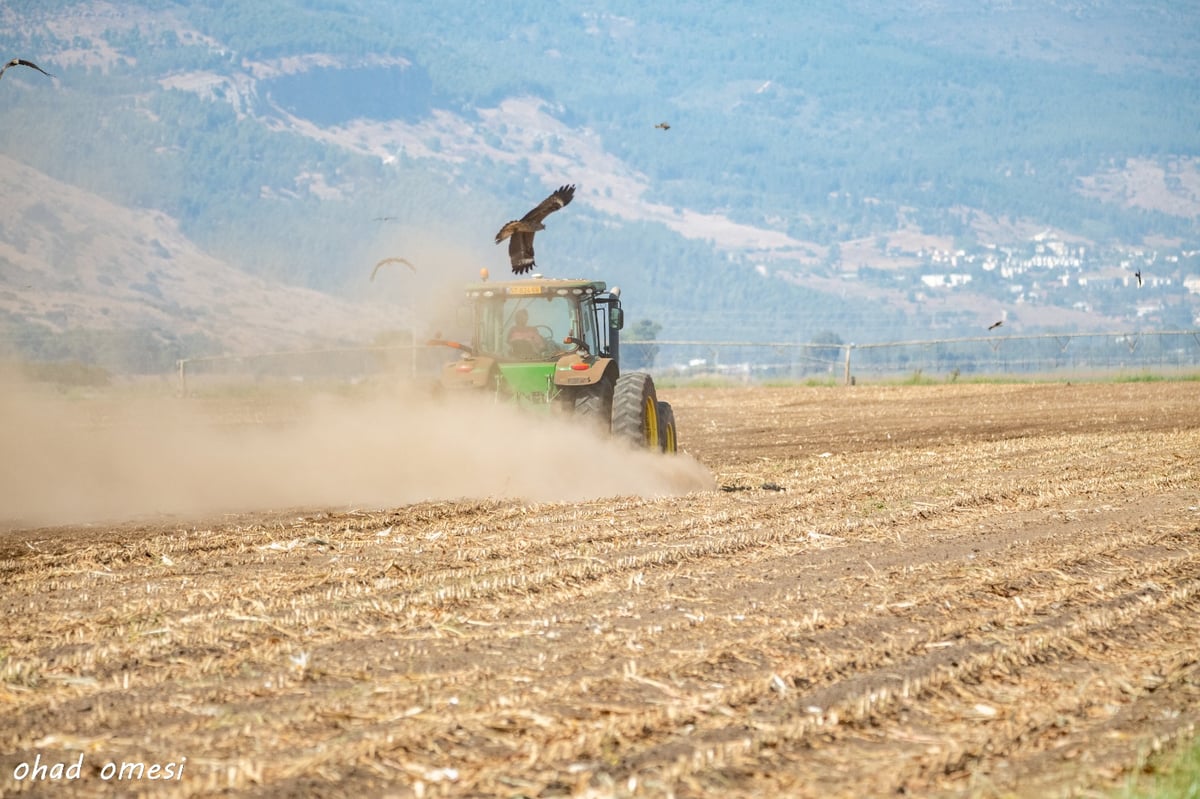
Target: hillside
120, 285
821, 170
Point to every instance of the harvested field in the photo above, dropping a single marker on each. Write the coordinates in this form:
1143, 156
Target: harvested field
934, 590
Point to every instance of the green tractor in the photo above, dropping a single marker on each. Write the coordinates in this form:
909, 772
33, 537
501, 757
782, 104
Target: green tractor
554, 345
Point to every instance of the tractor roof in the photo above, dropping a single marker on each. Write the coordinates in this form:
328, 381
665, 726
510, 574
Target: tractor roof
534, 286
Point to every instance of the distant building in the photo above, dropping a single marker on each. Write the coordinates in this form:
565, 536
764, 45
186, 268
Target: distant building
946, 280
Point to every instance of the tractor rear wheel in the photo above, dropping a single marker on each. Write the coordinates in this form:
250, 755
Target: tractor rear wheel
667, 438
635, 410
596, 401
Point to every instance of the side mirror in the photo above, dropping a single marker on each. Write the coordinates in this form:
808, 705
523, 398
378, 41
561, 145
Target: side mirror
616, 317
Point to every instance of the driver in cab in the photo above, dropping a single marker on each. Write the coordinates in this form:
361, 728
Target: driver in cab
524, 339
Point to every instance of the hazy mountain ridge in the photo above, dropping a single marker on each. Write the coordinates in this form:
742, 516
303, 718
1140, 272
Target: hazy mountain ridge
782, 178
74, 261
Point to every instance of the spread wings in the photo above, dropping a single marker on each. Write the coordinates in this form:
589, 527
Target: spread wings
561, 196
520, 232
21, 62
386, 261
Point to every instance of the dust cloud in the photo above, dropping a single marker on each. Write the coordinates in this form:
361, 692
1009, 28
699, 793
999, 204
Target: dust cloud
70, 461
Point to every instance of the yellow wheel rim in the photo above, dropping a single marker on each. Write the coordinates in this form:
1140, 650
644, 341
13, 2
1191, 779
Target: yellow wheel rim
650, 426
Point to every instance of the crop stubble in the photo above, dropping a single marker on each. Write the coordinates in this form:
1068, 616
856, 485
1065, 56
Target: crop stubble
989, 589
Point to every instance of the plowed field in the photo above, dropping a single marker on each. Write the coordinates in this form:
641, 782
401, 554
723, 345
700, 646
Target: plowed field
943, 590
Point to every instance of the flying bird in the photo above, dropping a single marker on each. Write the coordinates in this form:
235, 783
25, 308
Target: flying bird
995, 325
386, 261
21, 62
1138, 275
520, 231
663, 125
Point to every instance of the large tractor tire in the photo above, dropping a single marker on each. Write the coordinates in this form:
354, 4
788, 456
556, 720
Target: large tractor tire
595, 402
635, 410
667, 438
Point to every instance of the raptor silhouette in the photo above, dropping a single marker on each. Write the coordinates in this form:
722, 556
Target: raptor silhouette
520, 232
21, 62
386, 261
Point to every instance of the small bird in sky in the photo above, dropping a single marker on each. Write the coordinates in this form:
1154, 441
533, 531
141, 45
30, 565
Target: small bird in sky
386, 261
21, 62
1138, 275
385, 219
995, 325
663, 126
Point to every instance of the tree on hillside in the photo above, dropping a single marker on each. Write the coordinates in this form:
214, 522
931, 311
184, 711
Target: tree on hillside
638, 353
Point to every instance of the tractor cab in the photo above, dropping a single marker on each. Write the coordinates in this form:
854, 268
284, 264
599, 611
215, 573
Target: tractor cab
541, 319
533, 339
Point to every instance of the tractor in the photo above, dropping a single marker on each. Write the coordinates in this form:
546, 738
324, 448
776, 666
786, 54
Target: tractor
554, 345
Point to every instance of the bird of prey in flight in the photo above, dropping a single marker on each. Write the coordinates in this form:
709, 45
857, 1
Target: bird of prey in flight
1138, 275
520, 231
663, 125
386, 261
21, 62
995, 325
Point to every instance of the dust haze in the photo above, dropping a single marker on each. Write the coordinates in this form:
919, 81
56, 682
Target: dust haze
68, 461
128, 453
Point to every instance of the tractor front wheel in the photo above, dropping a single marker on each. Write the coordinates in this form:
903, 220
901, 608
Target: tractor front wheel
635, 410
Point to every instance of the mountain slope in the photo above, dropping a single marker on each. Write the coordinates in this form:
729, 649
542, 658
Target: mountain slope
76, 262
821, 162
